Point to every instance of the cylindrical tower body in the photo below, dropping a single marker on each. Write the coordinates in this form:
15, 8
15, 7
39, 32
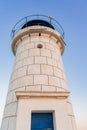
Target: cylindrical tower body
38, 83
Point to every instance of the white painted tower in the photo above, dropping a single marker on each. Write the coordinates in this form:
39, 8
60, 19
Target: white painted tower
38, 96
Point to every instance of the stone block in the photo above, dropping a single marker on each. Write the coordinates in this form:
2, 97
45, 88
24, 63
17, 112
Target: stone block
64, 76
20, 49
58, 72
40, 60
12, 123
25, 81
13, 76
54, 81
29, 45
46, 69
13, 85
51, 61
60, 64
49, 46
5, 122
21, 72
22, 55
21, 82
45, 52
20, 89
57, 51
60, 89
44, 38
11, 97
24, 47
33, 88
10, 109
48, 88
17, 88
28, 61
34, 52
64, 84
34, 37
18, 64
54, 55
34, 69
40, 79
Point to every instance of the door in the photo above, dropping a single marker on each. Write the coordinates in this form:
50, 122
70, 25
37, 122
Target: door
42, 121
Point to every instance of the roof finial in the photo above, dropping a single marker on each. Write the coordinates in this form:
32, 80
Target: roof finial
50, 18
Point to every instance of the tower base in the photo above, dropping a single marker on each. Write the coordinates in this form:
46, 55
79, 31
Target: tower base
50, 102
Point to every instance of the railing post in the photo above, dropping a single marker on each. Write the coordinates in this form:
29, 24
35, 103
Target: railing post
13, 33
26, 21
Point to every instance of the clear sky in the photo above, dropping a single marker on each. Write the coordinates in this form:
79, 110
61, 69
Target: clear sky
72, 14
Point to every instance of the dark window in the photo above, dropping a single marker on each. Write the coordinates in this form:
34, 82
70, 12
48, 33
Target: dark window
42, 121
39, 46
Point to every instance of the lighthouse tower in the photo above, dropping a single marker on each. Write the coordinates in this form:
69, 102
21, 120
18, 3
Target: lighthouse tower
38, 96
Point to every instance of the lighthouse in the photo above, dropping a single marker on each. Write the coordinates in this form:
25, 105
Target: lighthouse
38, 97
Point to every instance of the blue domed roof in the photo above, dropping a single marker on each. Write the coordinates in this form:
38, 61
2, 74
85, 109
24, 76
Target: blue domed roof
37, 22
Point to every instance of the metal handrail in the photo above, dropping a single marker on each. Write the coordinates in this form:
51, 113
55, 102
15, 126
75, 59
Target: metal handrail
18, 26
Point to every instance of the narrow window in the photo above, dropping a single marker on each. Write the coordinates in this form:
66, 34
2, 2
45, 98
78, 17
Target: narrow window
42, 121
39, 46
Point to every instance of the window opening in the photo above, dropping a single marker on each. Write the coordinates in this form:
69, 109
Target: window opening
39, 46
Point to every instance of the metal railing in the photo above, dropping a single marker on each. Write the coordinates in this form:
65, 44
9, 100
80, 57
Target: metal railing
18, 26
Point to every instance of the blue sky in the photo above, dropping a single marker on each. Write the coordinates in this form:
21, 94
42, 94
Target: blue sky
72, 14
